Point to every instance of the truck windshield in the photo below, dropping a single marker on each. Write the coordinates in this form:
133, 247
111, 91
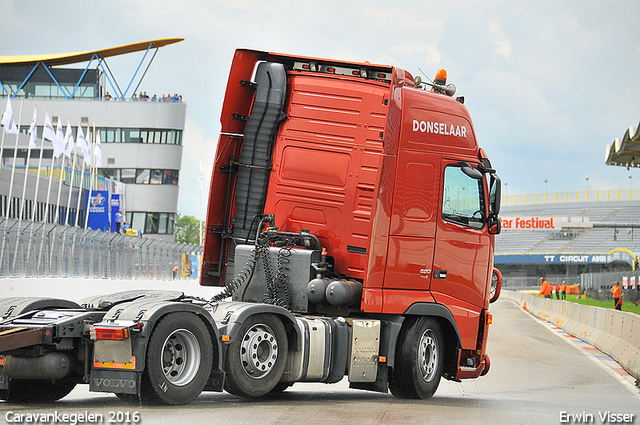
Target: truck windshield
463, 200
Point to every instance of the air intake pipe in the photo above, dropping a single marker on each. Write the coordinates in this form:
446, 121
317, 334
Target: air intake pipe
254, 163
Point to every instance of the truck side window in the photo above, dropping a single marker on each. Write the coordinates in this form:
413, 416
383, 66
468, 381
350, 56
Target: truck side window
463, 199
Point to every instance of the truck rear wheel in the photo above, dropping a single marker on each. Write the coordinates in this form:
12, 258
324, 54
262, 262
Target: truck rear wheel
257, 357
179, 360
36, 391
419, 361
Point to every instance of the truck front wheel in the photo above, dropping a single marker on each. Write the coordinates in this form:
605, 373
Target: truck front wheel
179, 360
419, 361
257, 357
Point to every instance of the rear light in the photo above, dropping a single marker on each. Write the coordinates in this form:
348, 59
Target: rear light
331, 69
109, 334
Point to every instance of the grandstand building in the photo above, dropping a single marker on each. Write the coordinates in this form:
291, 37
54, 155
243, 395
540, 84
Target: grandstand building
566, 234
141, 138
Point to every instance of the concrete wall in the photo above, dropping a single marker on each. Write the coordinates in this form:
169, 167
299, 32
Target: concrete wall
616, 333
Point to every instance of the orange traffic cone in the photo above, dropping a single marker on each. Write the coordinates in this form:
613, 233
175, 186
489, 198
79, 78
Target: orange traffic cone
524, 306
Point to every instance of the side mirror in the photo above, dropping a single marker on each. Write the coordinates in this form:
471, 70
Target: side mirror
495, 225
495, 195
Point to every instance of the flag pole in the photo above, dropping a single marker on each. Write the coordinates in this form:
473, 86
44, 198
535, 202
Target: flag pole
32, 139
92, 169
73, 172
62, 171
15, 157
35, 196
84, 160
60, 140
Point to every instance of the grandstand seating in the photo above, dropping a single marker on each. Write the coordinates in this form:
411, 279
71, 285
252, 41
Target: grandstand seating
578, 240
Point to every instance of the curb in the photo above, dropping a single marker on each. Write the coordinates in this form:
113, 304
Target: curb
616, 333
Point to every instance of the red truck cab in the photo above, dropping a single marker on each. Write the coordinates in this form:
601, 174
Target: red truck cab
387, 175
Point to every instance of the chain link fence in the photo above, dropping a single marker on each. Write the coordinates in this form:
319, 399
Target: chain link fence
598, 285
30, 249
518, 283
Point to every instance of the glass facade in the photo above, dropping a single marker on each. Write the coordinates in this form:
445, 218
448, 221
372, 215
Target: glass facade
140, 176
151, 222
140, 135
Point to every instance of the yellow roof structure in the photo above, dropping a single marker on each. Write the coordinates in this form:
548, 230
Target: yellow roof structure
69, 58
625, 152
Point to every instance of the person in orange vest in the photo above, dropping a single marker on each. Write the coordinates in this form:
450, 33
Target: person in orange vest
545, 288
616, 293
556, 288
563, 290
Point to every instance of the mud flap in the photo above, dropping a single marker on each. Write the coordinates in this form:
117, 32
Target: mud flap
115, 381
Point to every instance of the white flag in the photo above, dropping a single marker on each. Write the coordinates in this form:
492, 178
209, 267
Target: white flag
97, 151
84, 145
47, 132
33, 128
58, 142
200, 178
8, 121
68, 140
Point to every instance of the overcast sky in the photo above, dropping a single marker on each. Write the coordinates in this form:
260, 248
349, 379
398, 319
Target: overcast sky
548, 83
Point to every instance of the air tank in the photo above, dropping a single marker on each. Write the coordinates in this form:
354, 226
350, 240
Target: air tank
343, 292
54, 365
316, 290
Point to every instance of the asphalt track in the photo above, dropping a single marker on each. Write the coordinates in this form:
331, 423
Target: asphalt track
538, 376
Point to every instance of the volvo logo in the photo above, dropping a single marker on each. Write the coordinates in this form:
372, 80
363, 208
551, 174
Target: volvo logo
114, 383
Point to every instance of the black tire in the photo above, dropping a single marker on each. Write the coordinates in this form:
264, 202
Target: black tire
36, 391
256, 359
419, 361
281, 387
179, 360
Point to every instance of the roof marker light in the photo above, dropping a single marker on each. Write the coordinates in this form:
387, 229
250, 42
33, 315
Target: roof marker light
441, 77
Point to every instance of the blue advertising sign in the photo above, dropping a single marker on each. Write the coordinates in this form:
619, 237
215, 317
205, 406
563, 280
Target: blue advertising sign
98, 218
194, 265
115, 206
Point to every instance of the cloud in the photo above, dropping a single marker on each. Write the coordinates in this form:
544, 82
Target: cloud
197, 148
503, 46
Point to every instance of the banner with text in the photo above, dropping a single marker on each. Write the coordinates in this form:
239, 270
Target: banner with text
98, 210
542, 223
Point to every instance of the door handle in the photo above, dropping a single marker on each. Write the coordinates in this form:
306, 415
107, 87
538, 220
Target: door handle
439, 274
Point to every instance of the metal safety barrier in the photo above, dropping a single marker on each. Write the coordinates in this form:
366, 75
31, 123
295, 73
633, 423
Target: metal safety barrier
29, 249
